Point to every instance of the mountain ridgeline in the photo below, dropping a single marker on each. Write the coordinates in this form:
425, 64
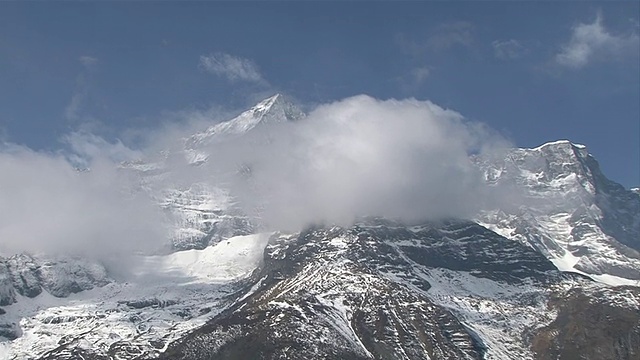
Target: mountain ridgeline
555, 276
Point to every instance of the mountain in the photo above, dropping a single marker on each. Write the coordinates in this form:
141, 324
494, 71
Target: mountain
167, 296
27, 276
568, 211
49, 305
515, 282
202, 213
385, 290
273, 110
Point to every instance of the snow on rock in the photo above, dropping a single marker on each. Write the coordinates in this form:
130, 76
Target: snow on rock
569, 210
202, 212
169, 296
271, 110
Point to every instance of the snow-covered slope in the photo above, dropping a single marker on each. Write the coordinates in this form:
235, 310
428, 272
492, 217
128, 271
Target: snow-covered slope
169, 296
200, 211
272, 110
569, 211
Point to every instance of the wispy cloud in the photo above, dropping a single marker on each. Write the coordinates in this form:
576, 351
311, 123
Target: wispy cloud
88, 60
413, 79
448, 35
420, 74
234, 68
85, 147
593, 42
443, 37
508, 49
74, 108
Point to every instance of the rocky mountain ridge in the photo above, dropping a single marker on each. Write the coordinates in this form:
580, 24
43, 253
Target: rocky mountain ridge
503, 286
569, 210
385, 290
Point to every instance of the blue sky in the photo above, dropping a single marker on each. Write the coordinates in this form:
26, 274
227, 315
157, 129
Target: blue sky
534, 71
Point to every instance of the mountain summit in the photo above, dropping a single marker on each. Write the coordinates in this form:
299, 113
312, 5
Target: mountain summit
275, 109
571, 212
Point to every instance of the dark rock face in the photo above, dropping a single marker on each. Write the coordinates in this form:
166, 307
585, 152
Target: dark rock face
466, 246
601, 324
620, 207
328, 293
7, 290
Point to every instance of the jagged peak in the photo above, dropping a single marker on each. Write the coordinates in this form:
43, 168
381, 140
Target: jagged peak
278, 106
267, 103
274, 109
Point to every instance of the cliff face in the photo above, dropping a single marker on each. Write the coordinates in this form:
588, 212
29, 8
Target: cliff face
593, 324
567, 210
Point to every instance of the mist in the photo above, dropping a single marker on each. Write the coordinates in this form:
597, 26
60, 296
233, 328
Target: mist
403, 159
49, 206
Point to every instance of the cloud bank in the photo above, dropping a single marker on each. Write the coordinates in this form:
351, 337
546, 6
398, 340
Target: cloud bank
49, 206
360, 156
404, 159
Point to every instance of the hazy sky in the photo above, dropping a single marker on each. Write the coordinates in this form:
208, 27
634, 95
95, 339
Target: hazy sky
534, 71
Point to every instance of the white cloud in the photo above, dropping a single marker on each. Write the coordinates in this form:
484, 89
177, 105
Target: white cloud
356, 157
508, 49
360, 156
234, 68
593, 42
48, 206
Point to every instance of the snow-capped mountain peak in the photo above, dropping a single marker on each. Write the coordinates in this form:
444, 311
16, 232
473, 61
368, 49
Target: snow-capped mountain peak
275, 109
570, 212
380, 288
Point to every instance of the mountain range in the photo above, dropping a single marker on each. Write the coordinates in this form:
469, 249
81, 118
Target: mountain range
555, 275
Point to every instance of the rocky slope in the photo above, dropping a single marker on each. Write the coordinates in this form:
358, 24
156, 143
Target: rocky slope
384, 290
